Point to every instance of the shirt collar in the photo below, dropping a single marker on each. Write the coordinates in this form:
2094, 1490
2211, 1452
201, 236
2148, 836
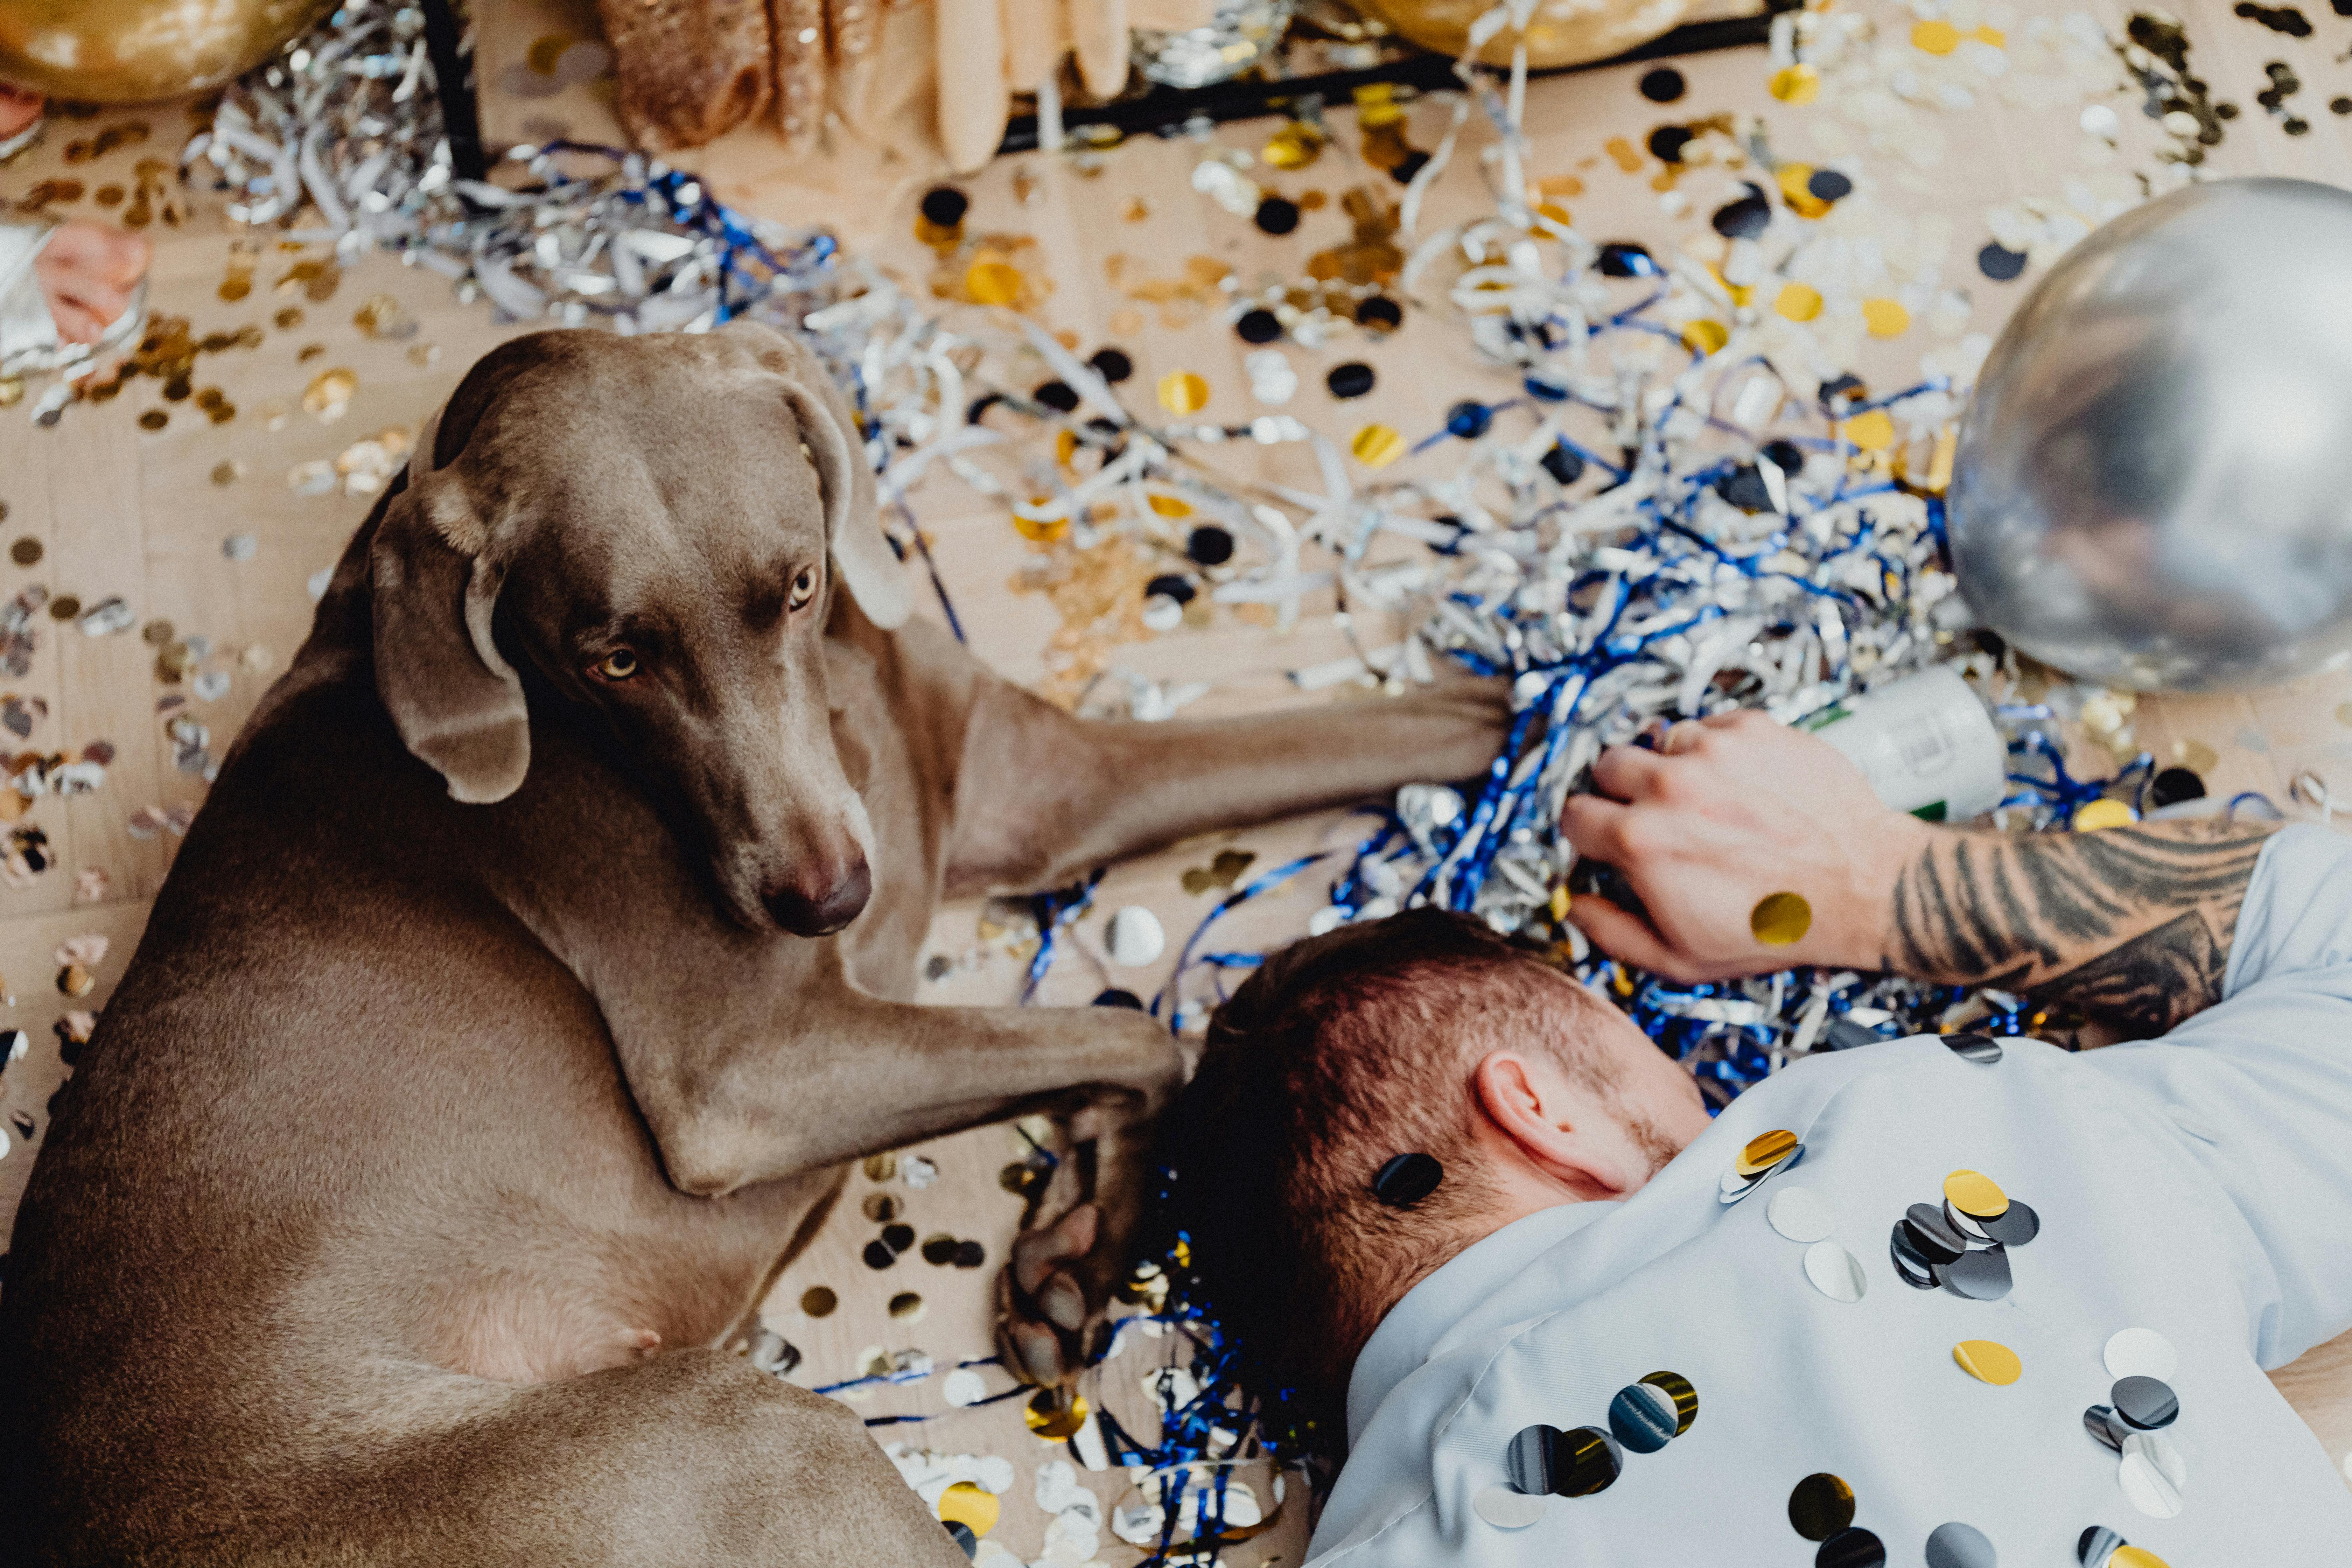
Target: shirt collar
1432, 1309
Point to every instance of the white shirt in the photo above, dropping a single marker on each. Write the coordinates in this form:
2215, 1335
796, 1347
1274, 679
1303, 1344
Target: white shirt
2200, 1185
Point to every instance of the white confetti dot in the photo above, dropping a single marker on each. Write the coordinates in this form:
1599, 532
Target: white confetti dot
1506, 1508
1801, 1215
1133, 937
2141, 1352
963, 1387
2149, 1490
1835, 1272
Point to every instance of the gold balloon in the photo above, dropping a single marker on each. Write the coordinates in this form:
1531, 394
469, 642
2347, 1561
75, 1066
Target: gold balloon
1561, 32
130, 51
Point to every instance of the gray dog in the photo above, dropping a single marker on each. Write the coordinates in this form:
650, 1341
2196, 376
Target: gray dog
490, 1050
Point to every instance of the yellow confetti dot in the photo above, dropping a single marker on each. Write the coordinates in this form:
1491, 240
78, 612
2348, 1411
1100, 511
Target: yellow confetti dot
2134, 1557
972, 1506
545, 50
1796, 189
2104, 812
1557, 213
1377, 445
1885, 318
1739, 294
1934, 37
1041, 531
1797, 84
1989, 1363
1293, 146
1049, 1418
993, 282
1975, 1195
1182, 392
1169, 506
1704, 336
1873, 432
1561, 901
1780, 919
1066, 446
1990, 34
1765, 1151
1798, 302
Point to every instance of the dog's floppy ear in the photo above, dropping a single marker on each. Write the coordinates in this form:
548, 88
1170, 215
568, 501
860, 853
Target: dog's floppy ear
852, 524
454, 700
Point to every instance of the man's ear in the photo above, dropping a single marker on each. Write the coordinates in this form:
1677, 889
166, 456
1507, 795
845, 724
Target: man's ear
853, 523
456, 701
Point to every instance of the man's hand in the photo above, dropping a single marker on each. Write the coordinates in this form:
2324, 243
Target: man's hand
87, 271
1729, 811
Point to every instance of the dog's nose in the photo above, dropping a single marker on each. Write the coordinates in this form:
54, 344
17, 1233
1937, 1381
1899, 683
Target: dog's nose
822, 903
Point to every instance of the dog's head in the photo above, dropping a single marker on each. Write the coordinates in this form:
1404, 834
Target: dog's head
656, 526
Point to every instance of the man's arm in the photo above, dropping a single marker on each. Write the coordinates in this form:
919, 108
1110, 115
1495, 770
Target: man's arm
2130, 928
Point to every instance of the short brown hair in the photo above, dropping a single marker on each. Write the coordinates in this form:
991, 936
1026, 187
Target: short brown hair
1341, 1052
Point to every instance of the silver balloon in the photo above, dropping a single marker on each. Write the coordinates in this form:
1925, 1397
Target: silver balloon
2154, 483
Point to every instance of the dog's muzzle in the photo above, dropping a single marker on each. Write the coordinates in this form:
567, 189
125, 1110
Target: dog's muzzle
821, 904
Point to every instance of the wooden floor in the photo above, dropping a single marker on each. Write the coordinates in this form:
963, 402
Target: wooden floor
150, 516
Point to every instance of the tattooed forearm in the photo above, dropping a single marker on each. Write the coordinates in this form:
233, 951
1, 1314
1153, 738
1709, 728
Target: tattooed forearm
2129, 927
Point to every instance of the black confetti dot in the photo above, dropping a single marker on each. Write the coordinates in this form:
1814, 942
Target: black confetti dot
1352, 379
1405, 1179
1171, 585
1112, 365
1998, 263
1115, 997
1910, 1264
1057, 394
2095, 1545
1667, 141
1932, 1233
1982, 1049
938, 1250
2098, 1420
1210, 545
1278, 214
961, 1533
945, 205
1588, 1461
1819, 1506
1411, 163
2278, 19
1620, 259
2225, 111
1530, 1458
1563, 464
2174, 785
2144, 1403
1828, 185
1258, 327
2015, 1228
1785, 455
1468, 420
1979, 1276
1844, 1035
1847, 387
1378, 311
1851, 1549
878, 1256
2340, 106
897, 1237
970, 1255
1744, 488
1664, 85
1745, 219
980, 406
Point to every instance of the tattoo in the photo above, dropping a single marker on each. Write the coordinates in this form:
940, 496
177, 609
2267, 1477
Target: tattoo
2129, 927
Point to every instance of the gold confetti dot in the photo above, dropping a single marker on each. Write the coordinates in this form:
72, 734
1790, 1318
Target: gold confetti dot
1765, 1151
1293, 146
2134, 1557
1796, 189
1556, 213
237, 287
545, 50
1990, 35
1798, 302
1975, 1195
25, 552
881, 1167
1936, 38
1704, 336
939, 235
1377, 445
1873, 432
228, 473
1169, 506
993, 282
154, 419
1779, 919
1182, 392
1623, 151
289, 319
330, 392
1041, 530
2104, 812
1989, 1363
906, 1307
970, 1505
76, 980
1048, 1417
818, 1301
1797, 84
1885, 318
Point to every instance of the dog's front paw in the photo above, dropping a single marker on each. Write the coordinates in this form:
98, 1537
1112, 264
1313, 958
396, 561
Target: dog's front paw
1042, 1305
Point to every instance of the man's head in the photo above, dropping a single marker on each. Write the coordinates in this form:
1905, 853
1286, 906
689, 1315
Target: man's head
653, 527
1422, 1033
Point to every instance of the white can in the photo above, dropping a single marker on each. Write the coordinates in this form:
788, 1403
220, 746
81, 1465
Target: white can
1925, 743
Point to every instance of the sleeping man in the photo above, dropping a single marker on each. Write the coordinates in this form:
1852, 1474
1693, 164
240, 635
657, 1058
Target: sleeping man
1942, 1300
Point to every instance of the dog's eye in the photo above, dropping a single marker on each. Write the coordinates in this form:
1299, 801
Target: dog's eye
803, 589
618, 665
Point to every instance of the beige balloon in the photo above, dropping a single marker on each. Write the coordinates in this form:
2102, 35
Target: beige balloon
132, 51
